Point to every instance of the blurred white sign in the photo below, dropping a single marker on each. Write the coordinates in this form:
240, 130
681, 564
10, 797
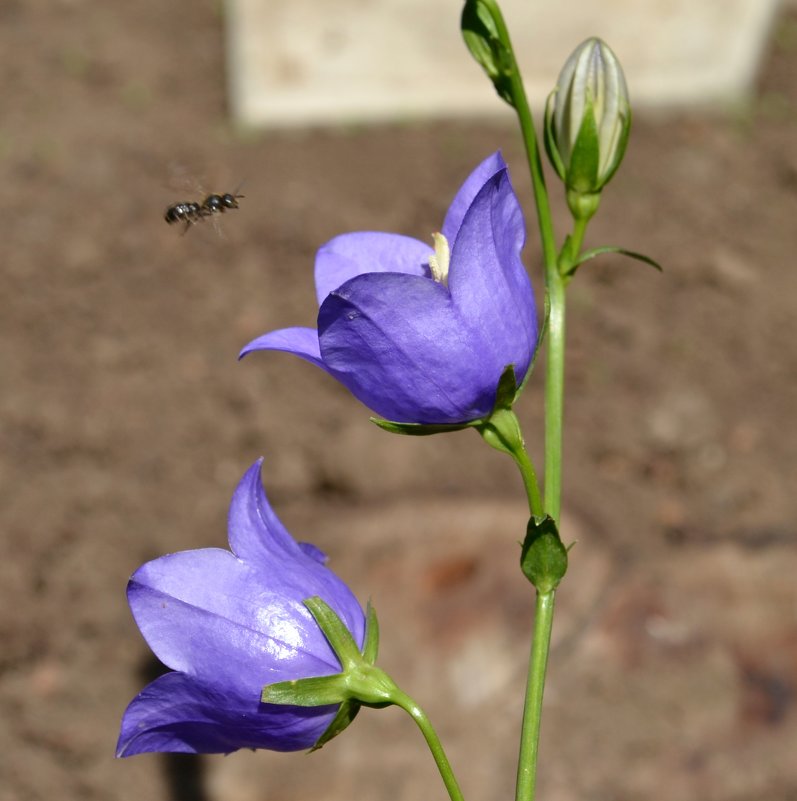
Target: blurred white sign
294, 62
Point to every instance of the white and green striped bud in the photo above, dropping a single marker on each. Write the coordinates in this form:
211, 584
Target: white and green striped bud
588, 118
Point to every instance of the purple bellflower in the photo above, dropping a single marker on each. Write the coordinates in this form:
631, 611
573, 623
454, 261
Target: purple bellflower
422, 334
227, 624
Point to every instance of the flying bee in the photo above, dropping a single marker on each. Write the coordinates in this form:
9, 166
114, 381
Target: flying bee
191, 212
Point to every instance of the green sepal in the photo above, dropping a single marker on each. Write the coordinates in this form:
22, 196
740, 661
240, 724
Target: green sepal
371, 646
346, 713
507, 389
582, 168
363, 681
420, 429
543, 556
619, 152
313, 691
480, 32
550, 140
591, 254
336, 632
359, 683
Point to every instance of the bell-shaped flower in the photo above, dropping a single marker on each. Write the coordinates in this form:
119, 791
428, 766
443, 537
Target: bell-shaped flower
228, 623
422, 334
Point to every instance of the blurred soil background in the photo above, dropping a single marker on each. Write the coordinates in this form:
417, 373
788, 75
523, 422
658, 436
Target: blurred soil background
127, 421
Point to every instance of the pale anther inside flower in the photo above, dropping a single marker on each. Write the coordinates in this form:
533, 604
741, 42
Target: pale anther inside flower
438, 263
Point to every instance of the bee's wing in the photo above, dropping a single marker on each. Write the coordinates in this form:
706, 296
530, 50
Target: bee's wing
181, 180
237, 191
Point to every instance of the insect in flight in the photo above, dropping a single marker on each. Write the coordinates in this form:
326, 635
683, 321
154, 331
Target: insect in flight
191, 212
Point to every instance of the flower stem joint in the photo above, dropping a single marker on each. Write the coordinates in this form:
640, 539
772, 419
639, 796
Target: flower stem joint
587, 122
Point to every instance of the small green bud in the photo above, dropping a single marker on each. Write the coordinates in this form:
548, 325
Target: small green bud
543, 557
588, 118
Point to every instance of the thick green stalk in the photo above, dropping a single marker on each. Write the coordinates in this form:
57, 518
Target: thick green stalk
554, 394
554, 388
432, 740
555, 368
554, 283
532, 709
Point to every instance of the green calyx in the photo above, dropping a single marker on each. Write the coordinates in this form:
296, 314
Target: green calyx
360, 682
501, 429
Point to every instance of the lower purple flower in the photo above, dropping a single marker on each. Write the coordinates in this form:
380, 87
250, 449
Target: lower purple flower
228, 623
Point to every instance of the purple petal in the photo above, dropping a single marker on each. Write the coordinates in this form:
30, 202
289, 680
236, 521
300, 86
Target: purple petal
208, 614
302, 342
255, 532
177, 713
350, 255
398, 344
294, 569
488, 282
467, 192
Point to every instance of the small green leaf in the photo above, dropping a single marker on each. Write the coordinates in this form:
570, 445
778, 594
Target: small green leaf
591, 254
346, 713
420, 429
543, 557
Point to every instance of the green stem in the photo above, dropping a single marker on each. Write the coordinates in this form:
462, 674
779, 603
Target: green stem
403, 700
532, 710
529, 475
555, 368
554, 395
572, 248
521, 105
554, 283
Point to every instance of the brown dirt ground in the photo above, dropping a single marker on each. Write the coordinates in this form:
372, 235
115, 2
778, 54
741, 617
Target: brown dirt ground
126, 421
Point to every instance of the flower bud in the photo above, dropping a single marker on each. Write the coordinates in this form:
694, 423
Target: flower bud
587, 118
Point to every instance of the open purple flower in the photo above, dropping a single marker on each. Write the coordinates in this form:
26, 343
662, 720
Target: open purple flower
228, 624
422, 334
